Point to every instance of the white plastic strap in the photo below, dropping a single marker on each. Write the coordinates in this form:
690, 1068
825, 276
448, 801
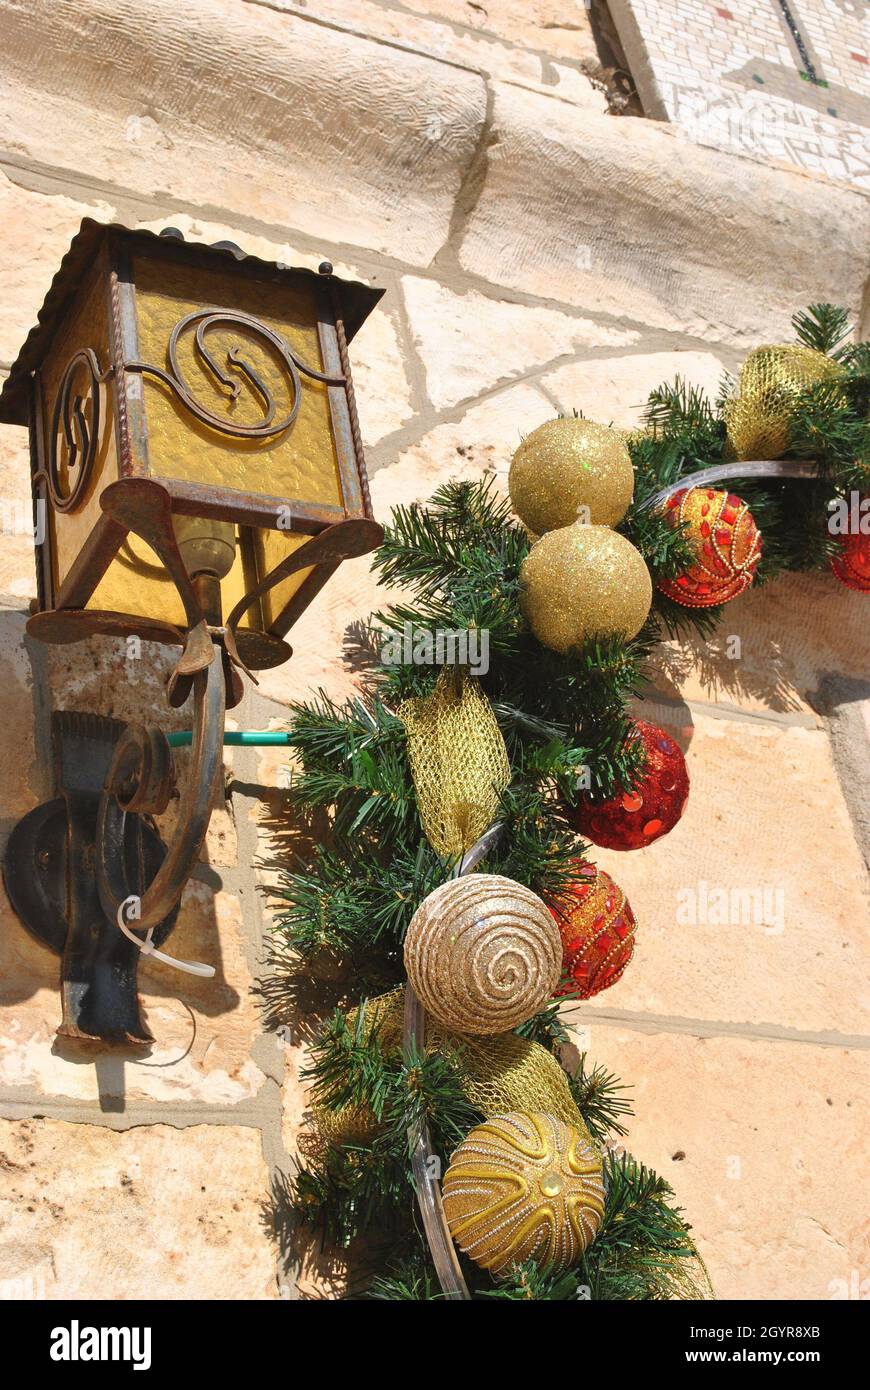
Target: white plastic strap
147, 947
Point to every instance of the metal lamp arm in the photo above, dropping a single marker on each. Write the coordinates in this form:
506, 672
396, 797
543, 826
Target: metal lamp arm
749, 468
139, 782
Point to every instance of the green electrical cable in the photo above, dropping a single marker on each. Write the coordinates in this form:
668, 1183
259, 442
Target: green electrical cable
247, 738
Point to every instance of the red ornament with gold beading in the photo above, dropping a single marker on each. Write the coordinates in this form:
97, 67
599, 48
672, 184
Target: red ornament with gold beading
597, 927
726, 542
852, 564
636, 817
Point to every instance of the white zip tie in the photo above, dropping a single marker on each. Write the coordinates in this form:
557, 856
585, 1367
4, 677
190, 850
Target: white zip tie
147, 947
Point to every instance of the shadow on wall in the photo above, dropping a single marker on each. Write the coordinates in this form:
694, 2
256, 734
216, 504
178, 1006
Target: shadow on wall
771, 647
29, 971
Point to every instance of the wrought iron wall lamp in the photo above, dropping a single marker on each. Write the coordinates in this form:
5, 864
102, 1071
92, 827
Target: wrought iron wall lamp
197, 476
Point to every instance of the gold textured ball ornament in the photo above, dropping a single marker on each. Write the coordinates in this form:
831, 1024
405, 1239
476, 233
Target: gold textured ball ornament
524, 1187
483, 954
584, 581
566, 465
758, 414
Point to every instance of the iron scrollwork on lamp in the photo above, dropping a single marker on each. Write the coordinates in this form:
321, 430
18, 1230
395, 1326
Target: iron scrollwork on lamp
197, 459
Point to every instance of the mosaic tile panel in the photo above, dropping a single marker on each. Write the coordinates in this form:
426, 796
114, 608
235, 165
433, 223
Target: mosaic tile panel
786, 80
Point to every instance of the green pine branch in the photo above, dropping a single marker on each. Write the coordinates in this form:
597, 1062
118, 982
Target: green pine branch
601, 1099
823, 327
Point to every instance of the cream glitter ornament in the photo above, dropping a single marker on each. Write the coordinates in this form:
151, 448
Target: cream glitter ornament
584, 581
483, 954
524, 1187
566, 465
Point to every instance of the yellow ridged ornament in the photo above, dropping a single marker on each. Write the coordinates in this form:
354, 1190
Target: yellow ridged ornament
524, 1187
581, 582
483, 954
758, 414
567, 465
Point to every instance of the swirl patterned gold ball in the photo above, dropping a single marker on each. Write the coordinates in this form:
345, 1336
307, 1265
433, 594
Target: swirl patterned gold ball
584, 581
524, 1187
483, 954
567, 465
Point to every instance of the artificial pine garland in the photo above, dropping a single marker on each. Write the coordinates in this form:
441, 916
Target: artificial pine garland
348, 900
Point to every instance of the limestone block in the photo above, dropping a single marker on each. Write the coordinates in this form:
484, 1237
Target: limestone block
469, 343
236, 106
548, 26
119, 677
380, 377
152, 1212
204, 1029
17, 569
629, 217
482, 441
614, 390
221, 846
16, 514
760, 885
44, 225
276, 767
296, 1099
763, 1145
508, 43
20, 779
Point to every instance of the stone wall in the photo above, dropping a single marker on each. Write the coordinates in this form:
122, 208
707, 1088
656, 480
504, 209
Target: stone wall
538, 254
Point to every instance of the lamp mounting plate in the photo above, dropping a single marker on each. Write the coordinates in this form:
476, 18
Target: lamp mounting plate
49, 875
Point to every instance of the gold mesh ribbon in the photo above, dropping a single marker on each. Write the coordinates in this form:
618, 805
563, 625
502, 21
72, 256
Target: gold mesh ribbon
458, 761
758, 414
497, 1074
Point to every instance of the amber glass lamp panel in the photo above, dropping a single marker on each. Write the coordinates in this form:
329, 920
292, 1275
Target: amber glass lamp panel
84, 327
298, 465
288, 472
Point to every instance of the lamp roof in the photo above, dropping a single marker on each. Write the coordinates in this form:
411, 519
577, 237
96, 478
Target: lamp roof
355, 300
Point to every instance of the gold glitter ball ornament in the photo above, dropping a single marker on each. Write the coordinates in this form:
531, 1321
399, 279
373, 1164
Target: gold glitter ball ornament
566, 465
584, 581
524, 1187
758, 414
483, 954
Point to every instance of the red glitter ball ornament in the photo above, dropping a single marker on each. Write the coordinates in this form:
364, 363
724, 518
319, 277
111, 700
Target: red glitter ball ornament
852, 565
597, 927
632, 819
726, 542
